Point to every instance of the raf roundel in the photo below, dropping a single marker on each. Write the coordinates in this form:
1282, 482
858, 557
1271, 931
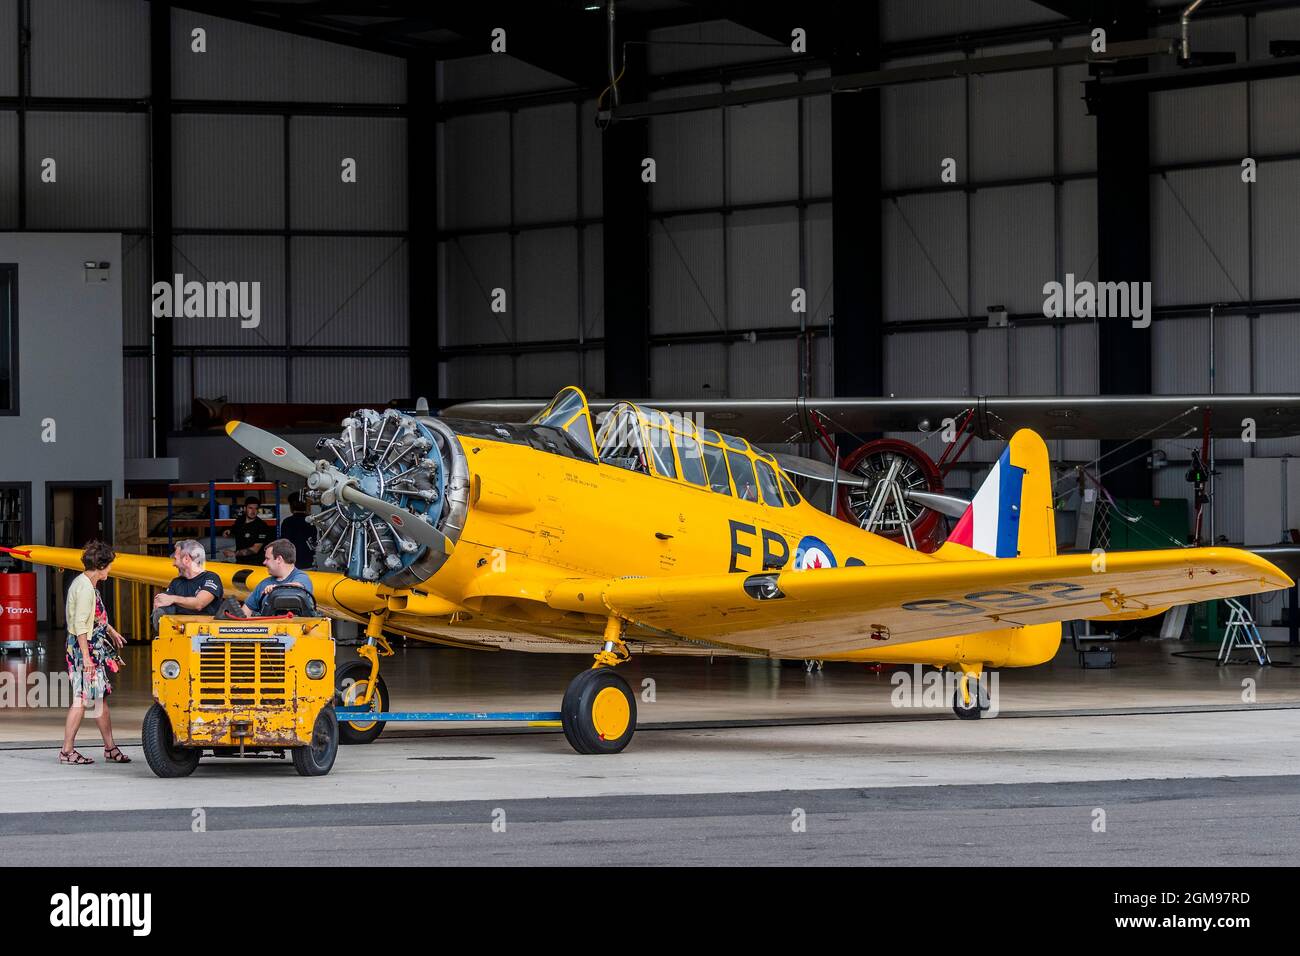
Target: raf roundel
813, 553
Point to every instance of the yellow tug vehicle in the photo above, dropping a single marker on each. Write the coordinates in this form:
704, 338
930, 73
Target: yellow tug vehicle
245, 687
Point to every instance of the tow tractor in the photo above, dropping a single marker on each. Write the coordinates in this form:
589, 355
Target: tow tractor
244, 687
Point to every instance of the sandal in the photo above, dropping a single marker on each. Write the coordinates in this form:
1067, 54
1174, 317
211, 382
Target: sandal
72, 757
115, 755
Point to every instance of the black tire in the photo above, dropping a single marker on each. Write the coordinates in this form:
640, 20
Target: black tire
580, 718
972, 712
316, 760
161, 753
365, 733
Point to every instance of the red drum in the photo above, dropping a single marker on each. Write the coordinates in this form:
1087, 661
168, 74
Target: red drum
18, 611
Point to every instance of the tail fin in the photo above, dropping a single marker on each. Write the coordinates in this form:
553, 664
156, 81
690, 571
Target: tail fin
1011, 514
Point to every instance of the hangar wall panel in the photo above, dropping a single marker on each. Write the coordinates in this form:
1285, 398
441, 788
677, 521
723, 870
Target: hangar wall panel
1276, 371
136, 407
591, 240
1207, 122
474, 182
349, 291
767, 369
479, 376
137, 298
545, 163
914, 151
1199, 236
817, 141
474, 266
762, 267
762, 146
1013, 241
823, 368
1275, 125
369, 382
925, 256
245, 62
689, 371
320, 199
1276, 246
241, 378
101, 168
1011, 120
492, 74
8, 170
1078, 230
542, 374
593, 373
688, 152
228, 172
927, 363
8, 49
592, 157
546, 294
819, 253
233, 259
683, 47
907, 20
1078, 130
686, 274
89, 48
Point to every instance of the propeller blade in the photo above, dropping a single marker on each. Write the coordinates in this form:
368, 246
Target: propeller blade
816, 470
270, 448
949, 505
280, 453
399, 519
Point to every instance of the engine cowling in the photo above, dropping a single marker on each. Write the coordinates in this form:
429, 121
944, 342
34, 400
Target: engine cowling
416, 464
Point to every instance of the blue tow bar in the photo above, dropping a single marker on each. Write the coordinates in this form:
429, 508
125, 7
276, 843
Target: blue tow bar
360, 715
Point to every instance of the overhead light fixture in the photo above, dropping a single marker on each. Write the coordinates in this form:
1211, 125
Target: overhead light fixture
998, 317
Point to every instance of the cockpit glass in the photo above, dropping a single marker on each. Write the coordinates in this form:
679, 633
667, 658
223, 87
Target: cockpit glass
716, 465
767, 479
661, 445
688, 452
743, 473
731, 441
791, 496
621, 443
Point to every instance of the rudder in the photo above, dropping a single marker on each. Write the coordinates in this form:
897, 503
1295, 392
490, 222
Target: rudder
1011, 514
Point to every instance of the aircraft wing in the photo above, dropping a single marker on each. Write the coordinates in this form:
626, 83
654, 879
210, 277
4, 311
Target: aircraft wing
333, 592
838, 610
780, 420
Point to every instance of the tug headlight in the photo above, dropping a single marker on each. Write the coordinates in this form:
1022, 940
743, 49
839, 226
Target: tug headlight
170, 669
315, 669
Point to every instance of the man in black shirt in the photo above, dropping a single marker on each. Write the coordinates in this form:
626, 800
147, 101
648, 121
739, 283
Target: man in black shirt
299, 530
251, 533
193, 591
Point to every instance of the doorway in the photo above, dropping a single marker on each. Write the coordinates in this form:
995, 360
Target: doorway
75, 512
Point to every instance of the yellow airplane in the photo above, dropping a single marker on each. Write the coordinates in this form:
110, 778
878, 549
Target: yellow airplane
654, 535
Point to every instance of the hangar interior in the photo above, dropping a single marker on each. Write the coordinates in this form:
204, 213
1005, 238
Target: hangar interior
495, 238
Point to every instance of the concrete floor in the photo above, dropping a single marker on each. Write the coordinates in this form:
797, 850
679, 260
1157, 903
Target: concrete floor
1187, 772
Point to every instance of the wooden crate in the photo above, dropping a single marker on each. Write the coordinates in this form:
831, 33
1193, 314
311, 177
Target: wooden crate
133, 520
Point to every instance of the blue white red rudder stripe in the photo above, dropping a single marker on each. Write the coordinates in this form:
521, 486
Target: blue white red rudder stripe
991, 525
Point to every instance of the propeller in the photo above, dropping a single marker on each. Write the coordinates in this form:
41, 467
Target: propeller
334, 485
949, 505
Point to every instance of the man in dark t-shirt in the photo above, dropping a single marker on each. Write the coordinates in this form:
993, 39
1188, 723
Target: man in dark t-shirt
195, 590
251, 533
299, 530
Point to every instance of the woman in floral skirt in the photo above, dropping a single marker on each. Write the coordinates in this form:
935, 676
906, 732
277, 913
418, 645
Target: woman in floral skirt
91, 654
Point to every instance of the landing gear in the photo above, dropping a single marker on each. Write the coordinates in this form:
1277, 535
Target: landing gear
351, 683
970, 699
598, 713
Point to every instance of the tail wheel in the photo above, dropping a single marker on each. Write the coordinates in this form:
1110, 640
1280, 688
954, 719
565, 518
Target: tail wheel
161, 753
599, 712
350, 683
915, 471
317, 759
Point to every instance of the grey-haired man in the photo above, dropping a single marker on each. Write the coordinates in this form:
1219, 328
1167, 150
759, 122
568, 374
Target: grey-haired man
193, 591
